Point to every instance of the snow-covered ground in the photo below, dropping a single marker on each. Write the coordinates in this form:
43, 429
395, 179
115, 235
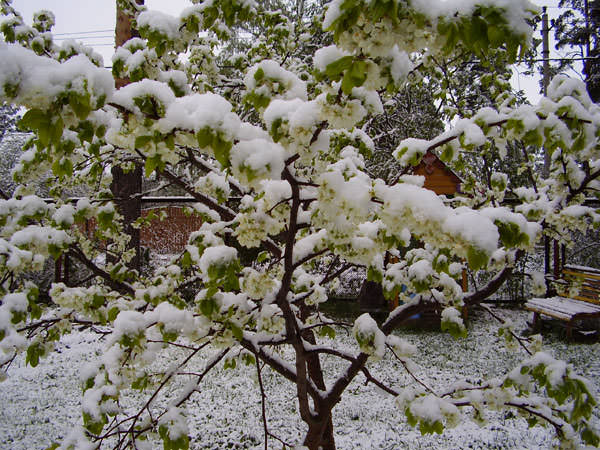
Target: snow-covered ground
40, 405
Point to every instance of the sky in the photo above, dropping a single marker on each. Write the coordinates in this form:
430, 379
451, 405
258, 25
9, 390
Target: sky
93, 22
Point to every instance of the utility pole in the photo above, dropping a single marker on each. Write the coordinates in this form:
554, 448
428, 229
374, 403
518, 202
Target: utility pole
126, 187
545, 83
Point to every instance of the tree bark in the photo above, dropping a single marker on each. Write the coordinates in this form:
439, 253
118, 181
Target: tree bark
126, 187
320, 434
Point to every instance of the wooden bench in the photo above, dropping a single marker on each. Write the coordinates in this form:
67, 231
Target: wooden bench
579, 300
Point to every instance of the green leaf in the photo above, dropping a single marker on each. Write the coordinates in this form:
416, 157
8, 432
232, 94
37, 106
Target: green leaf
34, 352
327, 331
86, 131
94, 427
237, 331
447, 153
80, 104
141, 383
347, 83
590, 437
456, 330
221, 149
334, 69
511, 235
113, 313
181, 443
477, 258
152, 163
262, 257
170, 141
374, 275
56, 131
186, 260
259, 74
248, 359
204, 137
230, 363
34, 119
208, 306
275, 126
141, 141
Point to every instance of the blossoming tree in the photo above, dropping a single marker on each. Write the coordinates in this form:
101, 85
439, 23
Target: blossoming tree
271, 145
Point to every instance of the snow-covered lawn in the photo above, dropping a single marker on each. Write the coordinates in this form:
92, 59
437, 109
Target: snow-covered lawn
40, 406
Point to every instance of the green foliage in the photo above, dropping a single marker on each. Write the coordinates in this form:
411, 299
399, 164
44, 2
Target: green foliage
181, 443
207, 137
34, 352
93, 425
425, 426
47, 127
326, 330
511, 235
456, 330
477, 258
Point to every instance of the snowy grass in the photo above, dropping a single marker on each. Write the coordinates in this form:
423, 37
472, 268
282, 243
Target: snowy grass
40, 406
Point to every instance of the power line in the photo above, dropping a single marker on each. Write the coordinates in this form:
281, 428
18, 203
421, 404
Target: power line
84, 32
84, 37
100, 45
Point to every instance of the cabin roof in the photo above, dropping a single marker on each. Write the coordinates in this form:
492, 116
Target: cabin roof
438, 176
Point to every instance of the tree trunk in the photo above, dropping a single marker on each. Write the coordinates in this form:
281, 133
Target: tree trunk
319, 435
127, 187
371, 296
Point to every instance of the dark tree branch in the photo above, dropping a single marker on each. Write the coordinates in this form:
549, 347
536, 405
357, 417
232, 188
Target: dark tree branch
118, 286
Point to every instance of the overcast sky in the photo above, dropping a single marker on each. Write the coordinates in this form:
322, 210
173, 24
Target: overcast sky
79, 18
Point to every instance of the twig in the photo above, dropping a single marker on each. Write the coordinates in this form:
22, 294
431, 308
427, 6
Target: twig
413, 376
499, 319
262, 401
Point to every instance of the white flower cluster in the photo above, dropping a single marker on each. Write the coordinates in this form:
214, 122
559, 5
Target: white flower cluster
255, 221
257, 284
214, 185
370, 338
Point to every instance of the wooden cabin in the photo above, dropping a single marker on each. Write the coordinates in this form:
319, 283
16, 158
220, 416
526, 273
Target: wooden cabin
443, 181
438, 176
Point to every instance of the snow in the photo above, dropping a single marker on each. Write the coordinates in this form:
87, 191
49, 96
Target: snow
41, 79
161, 92
561, 306
401, 64
561, 86
39, 406
198, 111
309, 244
219, 255
326, 55
298, 113
370, 338
515, 11
130, 322
64, 215
409, 149
293, 86
256, 160
39, 237
161, 22
426, 214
